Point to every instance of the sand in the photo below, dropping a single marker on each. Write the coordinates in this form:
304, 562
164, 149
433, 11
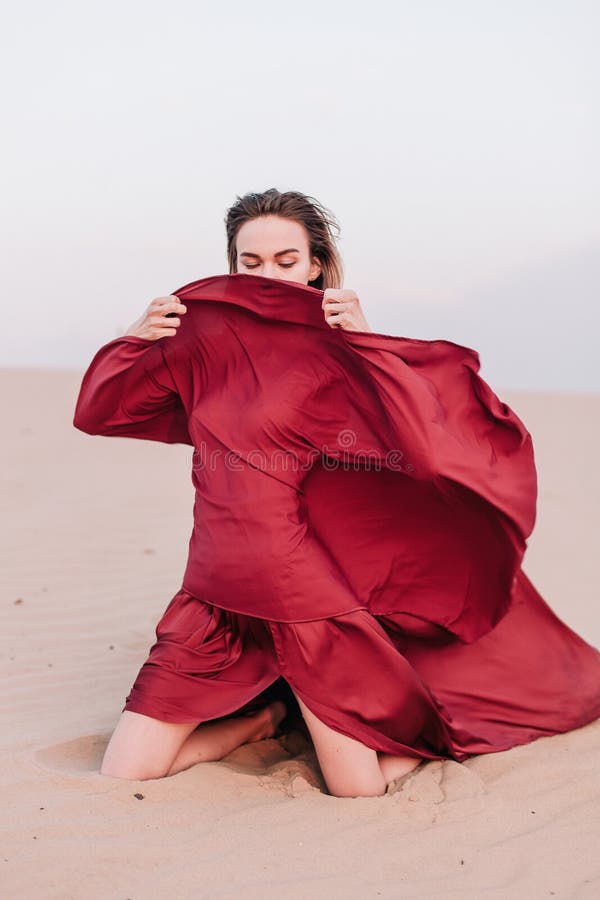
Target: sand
94, 543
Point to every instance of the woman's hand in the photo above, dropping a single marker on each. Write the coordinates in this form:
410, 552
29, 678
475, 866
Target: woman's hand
343, 310
152, 324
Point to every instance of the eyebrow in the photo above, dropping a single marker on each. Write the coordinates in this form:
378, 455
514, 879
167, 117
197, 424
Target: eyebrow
281, 252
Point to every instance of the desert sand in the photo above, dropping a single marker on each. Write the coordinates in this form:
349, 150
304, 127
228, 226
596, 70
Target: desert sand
94, 544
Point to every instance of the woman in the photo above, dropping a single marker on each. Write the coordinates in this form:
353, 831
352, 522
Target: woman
390, 597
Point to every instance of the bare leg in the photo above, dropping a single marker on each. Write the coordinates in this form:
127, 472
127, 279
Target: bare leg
350, 768
142, 747
214, 740
395, 766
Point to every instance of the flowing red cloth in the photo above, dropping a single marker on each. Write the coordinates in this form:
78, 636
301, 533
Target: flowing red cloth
362, 507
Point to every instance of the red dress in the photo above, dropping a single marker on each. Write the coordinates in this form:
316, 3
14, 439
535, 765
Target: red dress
361, 513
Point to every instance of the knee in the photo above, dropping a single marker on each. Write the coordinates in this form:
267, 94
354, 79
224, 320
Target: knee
357, 792
131, 771
356, 787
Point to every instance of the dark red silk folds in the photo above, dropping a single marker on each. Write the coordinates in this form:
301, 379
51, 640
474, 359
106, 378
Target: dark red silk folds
334, 470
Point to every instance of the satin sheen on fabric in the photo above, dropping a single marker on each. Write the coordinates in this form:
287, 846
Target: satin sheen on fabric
353, 490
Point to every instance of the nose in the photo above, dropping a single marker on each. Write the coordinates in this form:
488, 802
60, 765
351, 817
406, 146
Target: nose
269, 271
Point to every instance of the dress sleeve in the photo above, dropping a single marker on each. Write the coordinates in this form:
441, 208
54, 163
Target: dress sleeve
129, 390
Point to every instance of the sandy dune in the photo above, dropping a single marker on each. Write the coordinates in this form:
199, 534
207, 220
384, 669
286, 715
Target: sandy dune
94, 544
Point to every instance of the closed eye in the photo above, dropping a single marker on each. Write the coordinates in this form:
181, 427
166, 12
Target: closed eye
283, 265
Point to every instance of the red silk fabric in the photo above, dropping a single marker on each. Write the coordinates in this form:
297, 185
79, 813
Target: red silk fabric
342, 477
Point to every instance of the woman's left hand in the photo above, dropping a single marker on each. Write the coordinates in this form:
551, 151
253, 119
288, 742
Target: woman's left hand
343, 310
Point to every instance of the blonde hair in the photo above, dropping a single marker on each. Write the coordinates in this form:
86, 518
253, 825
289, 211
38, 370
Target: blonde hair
318, 221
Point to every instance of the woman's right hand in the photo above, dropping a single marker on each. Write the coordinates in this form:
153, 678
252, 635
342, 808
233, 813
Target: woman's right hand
153, 324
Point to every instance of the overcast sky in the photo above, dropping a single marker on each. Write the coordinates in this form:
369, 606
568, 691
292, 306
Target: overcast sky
456, 142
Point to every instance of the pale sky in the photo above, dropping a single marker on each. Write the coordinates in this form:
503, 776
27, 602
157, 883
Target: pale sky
456, 142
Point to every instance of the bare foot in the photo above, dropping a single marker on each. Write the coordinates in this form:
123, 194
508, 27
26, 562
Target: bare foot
267, 719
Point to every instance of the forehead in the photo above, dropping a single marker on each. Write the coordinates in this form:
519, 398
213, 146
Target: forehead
268, 234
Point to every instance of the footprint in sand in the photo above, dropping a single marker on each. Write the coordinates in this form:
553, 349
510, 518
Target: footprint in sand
80, 756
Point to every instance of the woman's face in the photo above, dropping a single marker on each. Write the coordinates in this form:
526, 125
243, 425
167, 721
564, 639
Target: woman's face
275, 247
